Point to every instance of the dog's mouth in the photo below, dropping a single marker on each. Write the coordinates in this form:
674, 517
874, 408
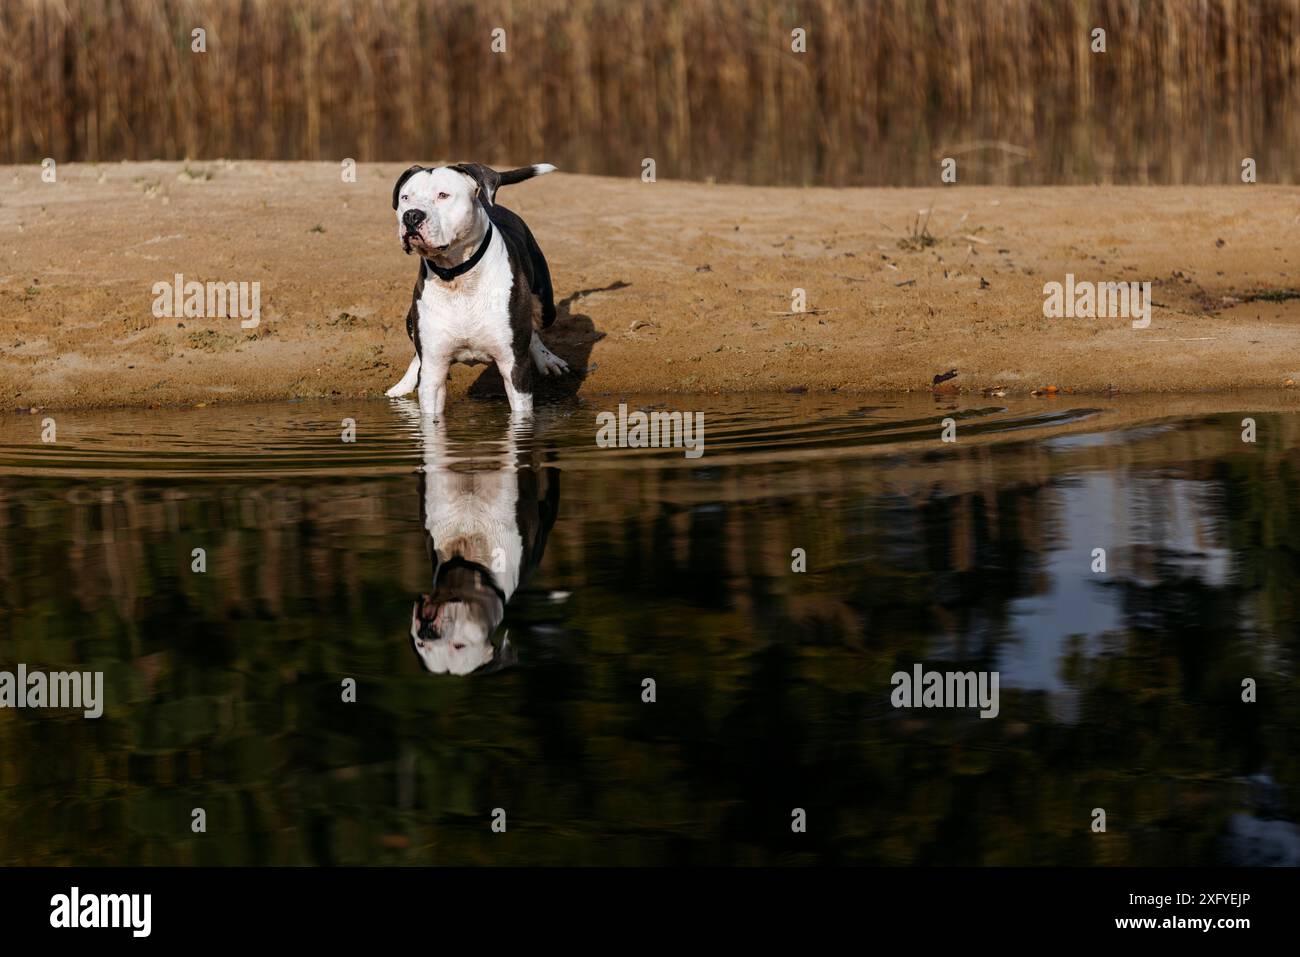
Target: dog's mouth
412, 241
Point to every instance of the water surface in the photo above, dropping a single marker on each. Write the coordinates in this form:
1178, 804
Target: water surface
570, 574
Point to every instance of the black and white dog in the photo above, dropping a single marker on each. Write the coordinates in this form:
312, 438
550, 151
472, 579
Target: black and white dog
485, 532
484, 289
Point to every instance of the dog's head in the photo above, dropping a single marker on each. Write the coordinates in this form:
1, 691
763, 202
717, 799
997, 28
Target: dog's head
438, 208
452, 629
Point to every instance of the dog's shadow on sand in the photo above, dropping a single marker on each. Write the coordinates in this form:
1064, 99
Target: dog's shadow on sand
571, 337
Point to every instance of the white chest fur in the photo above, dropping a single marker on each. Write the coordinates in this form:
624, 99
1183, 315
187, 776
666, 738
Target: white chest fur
471, 515
468, 318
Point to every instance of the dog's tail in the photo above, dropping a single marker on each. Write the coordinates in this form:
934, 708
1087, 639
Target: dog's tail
489, 180
512, 176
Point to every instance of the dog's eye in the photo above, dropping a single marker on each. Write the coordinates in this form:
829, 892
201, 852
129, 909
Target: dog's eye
444, 195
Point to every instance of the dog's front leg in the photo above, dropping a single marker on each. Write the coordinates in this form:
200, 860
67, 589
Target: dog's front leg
517, 378
433, 386
408, 381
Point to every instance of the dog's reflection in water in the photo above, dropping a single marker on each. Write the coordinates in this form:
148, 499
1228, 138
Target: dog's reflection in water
486, 520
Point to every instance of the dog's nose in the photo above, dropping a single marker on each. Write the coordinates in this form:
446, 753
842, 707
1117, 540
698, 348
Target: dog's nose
413, 218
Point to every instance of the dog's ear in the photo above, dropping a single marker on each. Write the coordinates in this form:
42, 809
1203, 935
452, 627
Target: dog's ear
397, 187
486, 179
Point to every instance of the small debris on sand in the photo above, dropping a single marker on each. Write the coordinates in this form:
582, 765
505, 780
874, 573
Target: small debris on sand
942, 385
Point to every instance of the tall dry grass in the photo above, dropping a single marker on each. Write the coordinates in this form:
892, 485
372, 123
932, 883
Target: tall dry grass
708, 88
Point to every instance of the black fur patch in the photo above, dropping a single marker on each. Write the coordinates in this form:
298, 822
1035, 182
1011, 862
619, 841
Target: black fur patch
526, 260
413, 317
486, 177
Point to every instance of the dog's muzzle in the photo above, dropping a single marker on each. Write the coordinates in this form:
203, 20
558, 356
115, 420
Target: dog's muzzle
415, 231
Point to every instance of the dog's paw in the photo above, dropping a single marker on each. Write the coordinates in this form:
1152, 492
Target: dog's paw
548, 363
399, 390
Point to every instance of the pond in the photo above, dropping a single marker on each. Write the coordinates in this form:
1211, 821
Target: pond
332, 633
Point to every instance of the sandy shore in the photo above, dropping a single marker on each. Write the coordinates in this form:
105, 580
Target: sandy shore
664, 287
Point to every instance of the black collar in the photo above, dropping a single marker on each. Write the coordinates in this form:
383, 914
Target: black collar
447, 275
482, 571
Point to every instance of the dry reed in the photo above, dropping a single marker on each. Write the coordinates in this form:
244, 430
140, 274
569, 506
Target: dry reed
708, 88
